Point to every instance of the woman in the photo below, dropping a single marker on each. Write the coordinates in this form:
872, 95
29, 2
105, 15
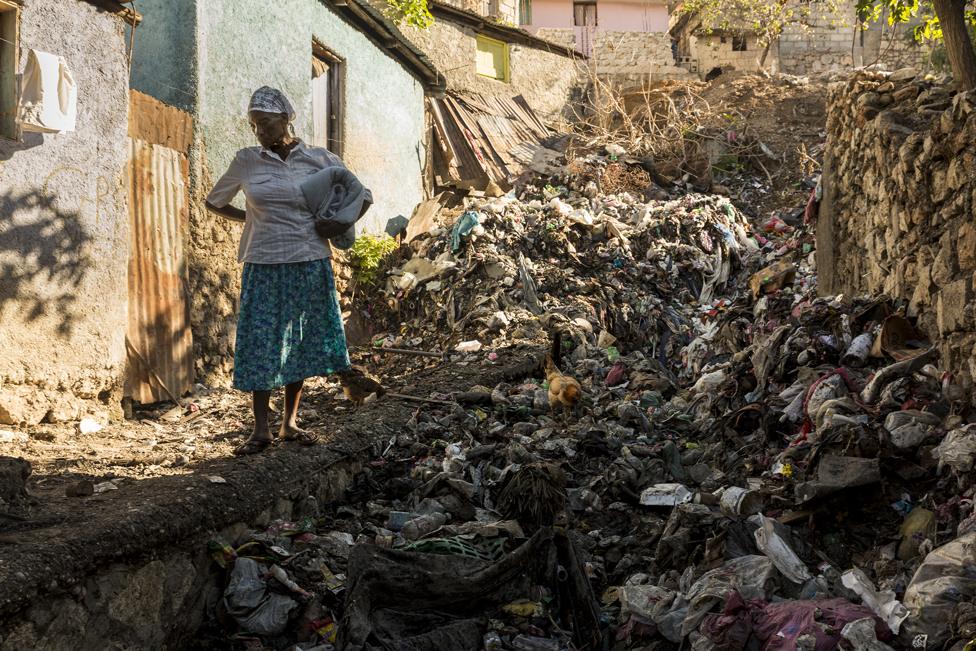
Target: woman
289, 324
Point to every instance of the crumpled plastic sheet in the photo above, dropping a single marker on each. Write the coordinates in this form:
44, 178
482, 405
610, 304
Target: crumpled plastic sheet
255, 608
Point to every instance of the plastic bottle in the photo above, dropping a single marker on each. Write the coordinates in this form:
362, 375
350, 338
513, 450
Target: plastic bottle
419, 527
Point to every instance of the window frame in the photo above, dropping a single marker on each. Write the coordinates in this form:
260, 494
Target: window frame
506, 70
336, 94
740, 40
9, 128
586, 3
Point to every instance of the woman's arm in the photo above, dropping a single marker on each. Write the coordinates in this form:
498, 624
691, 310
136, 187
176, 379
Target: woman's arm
225, 189
227, 212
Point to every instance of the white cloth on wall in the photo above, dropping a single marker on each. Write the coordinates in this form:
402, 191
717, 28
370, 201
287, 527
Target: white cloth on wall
48, 94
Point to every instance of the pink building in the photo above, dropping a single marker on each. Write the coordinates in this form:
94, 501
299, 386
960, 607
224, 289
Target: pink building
623, 38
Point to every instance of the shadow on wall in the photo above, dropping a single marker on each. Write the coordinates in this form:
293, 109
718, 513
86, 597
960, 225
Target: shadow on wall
46, 252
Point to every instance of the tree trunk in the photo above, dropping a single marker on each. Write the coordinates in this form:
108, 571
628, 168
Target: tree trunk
959, 47
765, 53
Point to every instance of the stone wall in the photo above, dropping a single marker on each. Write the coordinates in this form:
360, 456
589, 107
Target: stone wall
823, 41
714, 51
626, 57
64, 229
635, 56
899, 209
544, 78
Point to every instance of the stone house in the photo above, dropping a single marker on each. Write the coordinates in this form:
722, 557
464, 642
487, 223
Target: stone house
824, 40
488, 56
625, 40
63, 225
358, 86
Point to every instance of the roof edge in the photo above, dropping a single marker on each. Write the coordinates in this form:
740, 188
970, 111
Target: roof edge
386, 36
489, 27
128, 14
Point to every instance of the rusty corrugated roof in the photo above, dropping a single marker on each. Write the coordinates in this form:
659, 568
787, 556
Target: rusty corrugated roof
481, 139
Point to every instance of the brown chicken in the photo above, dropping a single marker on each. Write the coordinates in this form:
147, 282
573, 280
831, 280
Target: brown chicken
359, 385
564, 390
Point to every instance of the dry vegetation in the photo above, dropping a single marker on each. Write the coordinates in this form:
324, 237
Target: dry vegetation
749, 128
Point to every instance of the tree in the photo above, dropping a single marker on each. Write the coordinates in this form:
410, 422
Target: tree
945, 20
767, 19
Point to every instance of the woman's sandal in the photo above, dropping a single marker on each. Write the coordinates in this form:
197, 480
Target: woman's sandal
301, 437
252, 446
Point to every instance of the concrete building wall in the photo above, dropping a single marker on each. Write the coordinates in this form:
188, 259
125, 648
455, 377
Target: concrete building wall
164, 57
64, 228
631, 17
612, 16
630, 42
551, 14
544, 78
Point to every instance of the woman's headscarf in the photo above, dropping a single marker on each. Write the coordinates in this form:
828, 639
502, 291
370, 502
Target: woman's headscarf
271, 100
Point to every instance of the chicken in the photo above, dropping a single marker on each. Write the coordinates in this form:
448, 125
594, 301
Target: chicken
564, 391
359, 385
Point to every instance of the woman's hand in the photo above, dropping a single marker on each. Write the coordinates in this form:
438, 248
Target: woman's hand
328, 228
227, 212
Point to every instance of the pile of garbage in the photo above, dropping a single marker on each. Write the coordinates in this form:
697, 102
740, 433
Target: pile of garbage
751, 466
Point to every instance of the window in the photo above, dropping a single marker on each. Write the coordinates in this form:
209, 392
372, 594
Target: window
738, 42
327, 99
9, 66
584, 14
525, 12
492, 58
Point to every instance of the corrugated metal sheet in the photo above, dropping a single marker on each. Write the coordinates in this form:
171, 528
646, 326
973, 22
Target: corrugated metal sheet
482, 139
160, 345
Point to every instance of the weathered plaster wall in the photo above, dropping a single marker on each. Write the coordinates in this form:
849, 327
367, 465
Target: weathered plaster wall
164, 56
64, 229
233, 55
551, 13
899, 208
631, 17
544, 78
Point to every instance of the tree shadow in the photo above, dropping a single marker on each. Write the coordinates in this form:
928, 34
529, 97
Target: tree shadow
9, 148
44, 256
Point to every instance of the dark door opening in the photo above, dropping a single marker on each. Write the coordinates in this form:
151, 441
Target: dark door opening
327, 99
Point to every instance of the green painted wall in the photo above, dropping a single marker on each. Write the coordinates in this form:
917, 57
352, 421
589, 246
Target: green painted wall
164, 51
244, 44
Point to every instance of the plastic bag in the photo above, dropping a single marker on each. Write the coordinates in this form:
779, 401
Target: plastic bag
946, 577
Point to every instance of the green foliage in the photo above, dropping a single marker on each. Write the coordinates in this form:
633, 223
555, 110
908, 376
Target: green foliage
940, 58
367, 254
413, 12
903, 11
